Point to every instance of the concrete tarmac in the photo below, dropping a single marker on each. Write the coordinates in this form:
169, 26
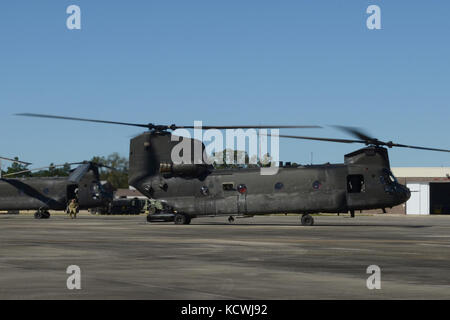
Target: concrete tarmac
266, 257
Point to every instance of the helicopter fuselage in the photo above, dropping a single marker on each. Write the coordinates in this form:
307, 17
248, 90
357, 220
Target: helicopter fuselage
42, 193
364, 181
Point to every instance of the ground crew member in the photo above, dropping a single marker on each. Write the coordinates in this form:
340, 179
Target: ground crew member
73, 208
155, 206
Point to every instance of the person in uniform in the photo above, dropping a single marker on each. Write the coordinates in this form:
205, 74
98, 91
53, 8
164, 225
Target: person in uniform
73, 208
155, 206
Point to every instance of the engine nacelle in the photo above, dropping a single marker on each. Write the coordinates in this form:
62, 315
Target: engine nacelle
184, 170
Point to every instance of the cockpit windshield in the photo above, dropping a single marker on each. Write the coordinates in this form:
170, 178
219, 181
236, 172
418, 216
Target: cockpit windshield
388, 177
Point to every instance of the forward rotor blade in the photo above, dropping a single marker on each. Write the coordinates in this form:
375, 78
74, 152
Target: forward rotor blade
389, 144
356, 132
37, 115
380, 143
13, 160
250, 127
100, 165
316, 138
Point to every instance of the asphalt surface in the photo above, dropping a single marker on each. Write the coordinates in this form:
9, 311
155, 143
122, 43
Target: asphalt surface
267, 257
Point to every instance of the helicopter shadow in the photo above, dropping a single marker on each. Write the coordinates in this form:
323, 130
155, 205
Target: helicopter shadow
314, 226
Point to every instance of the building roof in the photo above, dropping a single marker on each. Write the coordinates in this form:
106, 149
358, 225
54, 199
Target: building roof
421, 172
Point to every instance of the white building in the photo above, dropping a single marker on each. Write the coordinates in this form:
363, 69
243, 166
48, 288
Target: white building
430, 189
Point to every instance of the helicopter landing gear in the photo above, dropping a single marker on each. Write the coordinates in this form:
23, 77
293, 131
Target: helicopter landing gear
42, 214
230, 219
181, 218
307, 220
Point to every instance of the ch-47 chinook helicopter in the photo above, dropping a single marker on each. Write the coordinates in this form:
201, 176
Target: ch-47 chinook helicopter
53, 193
364, 181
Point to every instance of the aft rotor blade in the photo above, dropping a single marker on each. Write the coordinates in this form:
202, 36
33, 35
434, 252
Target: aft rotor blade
164, 127
37, 115
13, 160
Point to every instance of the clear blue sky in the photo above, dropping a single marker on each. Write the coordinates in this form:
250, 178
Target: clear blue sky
224, 62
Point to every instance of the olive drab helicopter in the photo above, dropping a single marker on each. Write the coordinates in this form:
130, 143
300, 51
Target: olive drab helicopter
364, 181
53, 193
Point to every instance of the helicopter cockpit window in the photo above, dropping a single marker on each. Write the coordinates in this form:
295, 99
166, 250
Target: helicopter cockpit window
355, 183
228, 186
95, 190
388, 177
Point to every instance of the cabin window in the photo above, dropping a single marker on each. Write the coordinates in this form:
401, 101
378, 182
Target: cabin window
355, 183
228, 186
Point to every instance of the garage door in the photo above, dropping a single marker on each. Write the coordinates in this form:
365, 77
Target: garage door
440, 198
419, 203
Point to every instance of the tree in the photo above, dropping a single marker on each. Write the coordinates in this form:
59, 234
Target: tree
17, 167
54, 171
118, 177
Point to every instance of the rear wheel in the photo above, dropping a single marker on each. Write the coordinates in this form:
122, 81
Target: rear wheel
307, 220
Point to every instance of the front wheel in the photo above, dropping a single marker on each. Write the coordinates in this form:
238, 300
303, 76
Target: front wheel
182, 219
307, 220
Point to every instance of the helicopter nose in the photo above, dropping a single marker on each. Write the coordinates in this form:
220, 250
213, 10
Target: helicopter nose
408, 193
404, 193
